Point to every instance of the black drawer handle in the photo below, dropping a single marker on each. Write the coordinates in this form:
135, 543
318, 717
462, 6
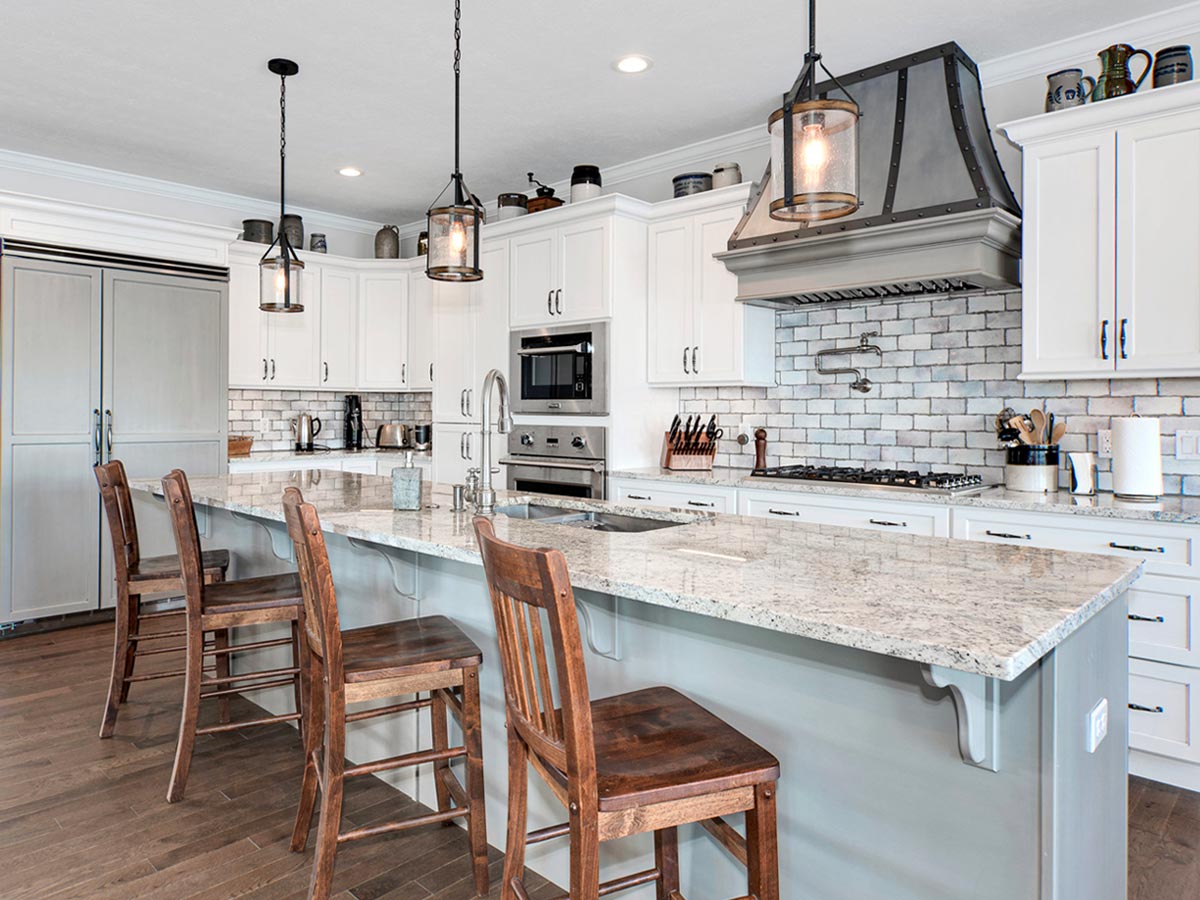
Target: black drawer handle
888, 524
1011, 537
1134, 617
637, 497
1135, 548
782, 512
1137, 707
700, 503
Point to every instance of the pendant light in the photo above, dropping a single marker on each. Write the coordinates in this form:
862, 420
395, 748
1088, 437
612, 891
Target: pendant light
279, 275
814, 146
454, 229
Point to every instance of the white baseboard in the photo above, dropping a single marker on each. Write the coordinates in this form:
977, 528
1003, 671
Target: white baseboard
1165, 770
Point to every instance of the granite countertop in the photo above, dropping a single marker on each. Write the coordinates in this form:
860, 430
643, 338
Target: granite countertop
1179, 510
988, 609
420, 457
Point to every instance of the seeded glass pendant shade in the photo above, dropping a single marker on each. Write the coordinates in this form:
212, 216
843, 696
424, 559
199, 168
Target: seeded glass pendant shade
454, 227
280, 269
814, 147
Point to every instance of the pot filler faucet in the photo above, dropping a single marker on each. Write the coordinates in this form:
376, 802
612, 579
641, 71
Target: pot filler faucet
485, 499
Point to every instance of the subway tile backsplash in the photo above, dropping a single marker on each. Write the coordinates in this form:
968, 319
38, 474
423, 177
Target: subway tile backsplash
267, 414
949, 365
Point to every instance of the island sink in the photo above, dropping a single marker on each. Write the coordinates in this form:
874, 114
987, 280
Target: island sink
584, 518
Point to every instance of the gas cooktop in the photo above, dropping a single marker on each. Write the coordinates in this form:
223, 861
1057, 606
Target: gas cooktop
946, 484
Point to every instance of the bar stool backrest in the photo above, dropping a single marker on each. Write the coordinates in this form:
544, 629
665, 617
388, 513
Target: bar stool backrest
322, 626
524, 583
178, 495
118, 509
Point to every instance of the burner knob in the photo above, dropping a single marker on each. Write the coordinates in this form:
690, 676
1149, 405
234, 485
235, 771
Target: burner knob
578, 442
527, 440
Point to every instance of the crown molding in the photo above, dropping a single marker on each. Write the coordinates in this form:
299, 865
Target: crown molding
1150, 31
1140, 107
247, 207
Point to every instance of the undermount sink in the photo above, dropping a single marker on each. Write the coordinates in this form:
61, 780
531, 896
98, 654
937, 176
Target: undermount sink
581, 518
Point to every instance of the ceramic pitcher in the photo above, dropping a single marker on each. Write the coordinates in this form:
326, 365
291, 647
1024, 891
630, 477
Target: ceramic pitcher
1066, 88
1116, 79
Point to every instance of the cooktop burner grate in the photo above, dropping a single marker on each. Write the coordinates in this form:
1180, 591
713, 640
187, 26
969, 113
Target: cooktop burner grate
940, 482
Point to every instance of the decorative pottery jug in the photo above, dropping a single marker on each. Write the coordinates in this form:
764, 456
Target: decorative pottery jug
1173, 65
1115, 79
1066, 89
387, 242
293, 226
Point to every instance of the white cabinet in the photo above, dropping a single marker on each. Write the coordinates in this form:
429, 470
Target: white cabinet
339, 329
382, 330
1164, 710
455, 449
636, 492
697, 334
562, 274
421, 331
275, 350
249, 358
894, 516
1111, 222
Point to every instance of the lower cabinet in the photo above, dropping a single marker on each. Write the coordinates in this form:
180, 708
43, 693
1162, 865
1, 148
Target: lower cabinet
852, 512
682, 496
1164, 710
455, 450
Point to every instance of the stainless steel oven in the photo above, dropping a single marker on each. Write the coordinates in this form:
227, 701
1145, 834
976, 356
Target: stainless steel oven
556, 459
560, 370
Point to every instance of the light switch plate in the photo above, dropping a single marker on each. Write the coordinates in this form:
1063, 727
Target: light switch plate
1187, 445
1097, 725
1104, 443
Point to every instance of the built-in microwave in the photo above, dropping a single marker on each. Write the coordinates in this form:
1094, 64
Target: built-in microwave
560, 370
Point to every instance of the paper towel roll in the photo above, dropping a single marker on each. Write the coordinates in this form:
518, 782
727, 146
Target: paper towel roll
1136, 458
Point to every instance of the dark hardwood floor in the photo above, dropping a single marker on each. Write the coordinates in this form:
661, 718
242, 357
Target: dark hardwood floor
86, 818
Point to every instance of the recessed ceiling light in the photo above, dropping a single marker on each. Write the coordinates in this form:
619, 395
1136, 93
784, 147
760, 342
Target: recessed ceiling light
633, 64
350, 171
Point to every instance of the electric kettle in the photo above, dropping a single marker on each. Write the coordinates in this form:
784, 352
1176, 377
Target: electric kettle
305, 428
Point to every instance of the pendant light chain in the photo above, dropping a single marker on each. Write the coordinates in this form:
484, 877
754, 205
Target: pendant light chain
457, 79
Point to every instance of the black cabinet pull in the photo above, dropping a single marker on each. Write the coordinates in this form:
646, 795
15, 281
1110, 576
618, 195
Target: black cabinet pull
1011, 537
1124, 322
549, 302
637, 496
1150, 709
558, 302
1134, 548
700, 503
1134, 617
685, 368
326, 378
888, 524
782, 512
1104, 339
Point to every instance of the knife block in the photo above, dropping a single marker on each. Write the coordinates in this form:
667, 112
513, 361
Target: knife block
697, 458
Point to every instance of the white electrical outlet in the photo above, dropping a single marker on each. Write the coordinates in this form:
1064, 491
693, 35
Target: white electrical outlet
1104, 443
1097, 725
1187, 445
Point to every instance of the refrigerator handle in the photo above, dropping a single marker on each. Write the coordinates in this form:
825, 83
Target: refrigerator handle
108, 428
96, 433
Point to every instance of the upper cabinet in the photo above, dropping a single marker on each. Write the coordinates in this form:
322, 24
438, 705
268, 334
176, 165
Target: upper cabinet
382, 330
1111, 223
697, 334
272, 350
564, 274
339, 329
419, 376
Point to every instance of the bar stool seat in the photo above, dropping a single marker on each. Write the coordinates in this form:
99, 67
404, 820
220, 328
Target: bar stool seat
160, 568
410, 647
250, 594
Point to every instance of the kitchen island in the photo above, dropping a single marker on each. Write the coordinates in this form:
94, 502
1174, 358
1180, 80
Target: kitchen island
927, 699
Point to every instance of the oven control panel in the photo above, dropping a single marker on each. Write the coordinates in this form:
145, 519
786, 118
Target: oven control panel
562, 441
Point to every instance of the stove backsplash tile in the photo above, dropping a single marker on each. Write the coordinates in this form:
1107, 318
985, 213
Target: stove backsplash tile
266, 414
949, 365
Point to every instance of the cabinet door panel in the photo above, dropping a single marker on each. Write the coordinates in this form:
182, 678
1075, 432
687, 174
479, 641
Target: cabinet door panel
669, 322
1069, 231
534, 279
453, 447
718, 319
585, 271
489, 320
382, 331
1167, 721
1158, 237
296, 338
453, 354
421, 333
339, 329
249, 365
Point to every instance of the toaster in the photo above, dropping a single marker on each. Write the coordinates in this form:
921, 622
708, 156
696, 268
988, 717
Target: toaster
392, 436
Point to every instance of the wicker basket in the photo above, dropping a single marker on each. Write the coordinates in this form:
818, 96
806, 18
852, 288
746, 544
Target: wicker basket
240, 444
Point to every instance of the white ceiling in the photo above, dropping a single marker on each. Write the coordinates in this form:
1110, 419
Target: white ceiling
180, 91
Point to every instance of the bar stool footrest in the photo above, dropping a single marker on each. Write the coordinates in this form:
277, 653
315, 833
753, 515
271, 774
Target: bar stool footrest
431, 819
649, 876
408, 759
249, 723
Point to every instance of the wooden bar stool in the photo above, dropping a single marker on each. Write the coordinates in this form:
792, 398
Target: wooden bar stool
220, 607
137, 577
650, 760
394, 659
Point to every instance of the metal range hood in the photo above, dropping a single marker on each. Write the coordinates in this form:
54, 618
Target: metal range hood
937, 214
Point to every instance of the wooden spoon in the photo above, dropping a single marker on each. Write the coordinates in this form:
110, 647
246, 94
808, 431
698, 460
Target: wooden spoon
1038, 418
1056, 436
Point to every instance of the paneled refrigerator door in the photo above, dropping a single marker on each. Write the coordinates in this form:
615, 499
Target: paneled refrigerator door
165, 394
50, 398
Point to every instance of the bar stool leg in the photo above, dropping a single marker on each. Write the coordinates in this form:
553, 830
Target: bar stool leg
118, 687
221, 642
518, 800
133, 625
473, 740
441, 740
314, 734
331, 805
762, 850
193, 674
299, 651
585, 858
666, 860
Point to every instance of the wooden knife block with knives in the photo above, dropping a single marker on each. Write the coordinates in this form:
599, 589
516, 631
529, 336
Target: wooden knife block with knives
690, 446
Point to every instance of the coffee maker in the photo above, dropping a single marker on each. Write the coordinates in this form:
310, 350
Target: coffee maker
352, 423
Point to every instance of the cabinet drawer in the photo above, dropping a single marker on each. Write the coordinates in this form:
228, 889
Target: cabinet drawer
1167, 549
1162, 620
682, 496
1164, 710
851, 512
